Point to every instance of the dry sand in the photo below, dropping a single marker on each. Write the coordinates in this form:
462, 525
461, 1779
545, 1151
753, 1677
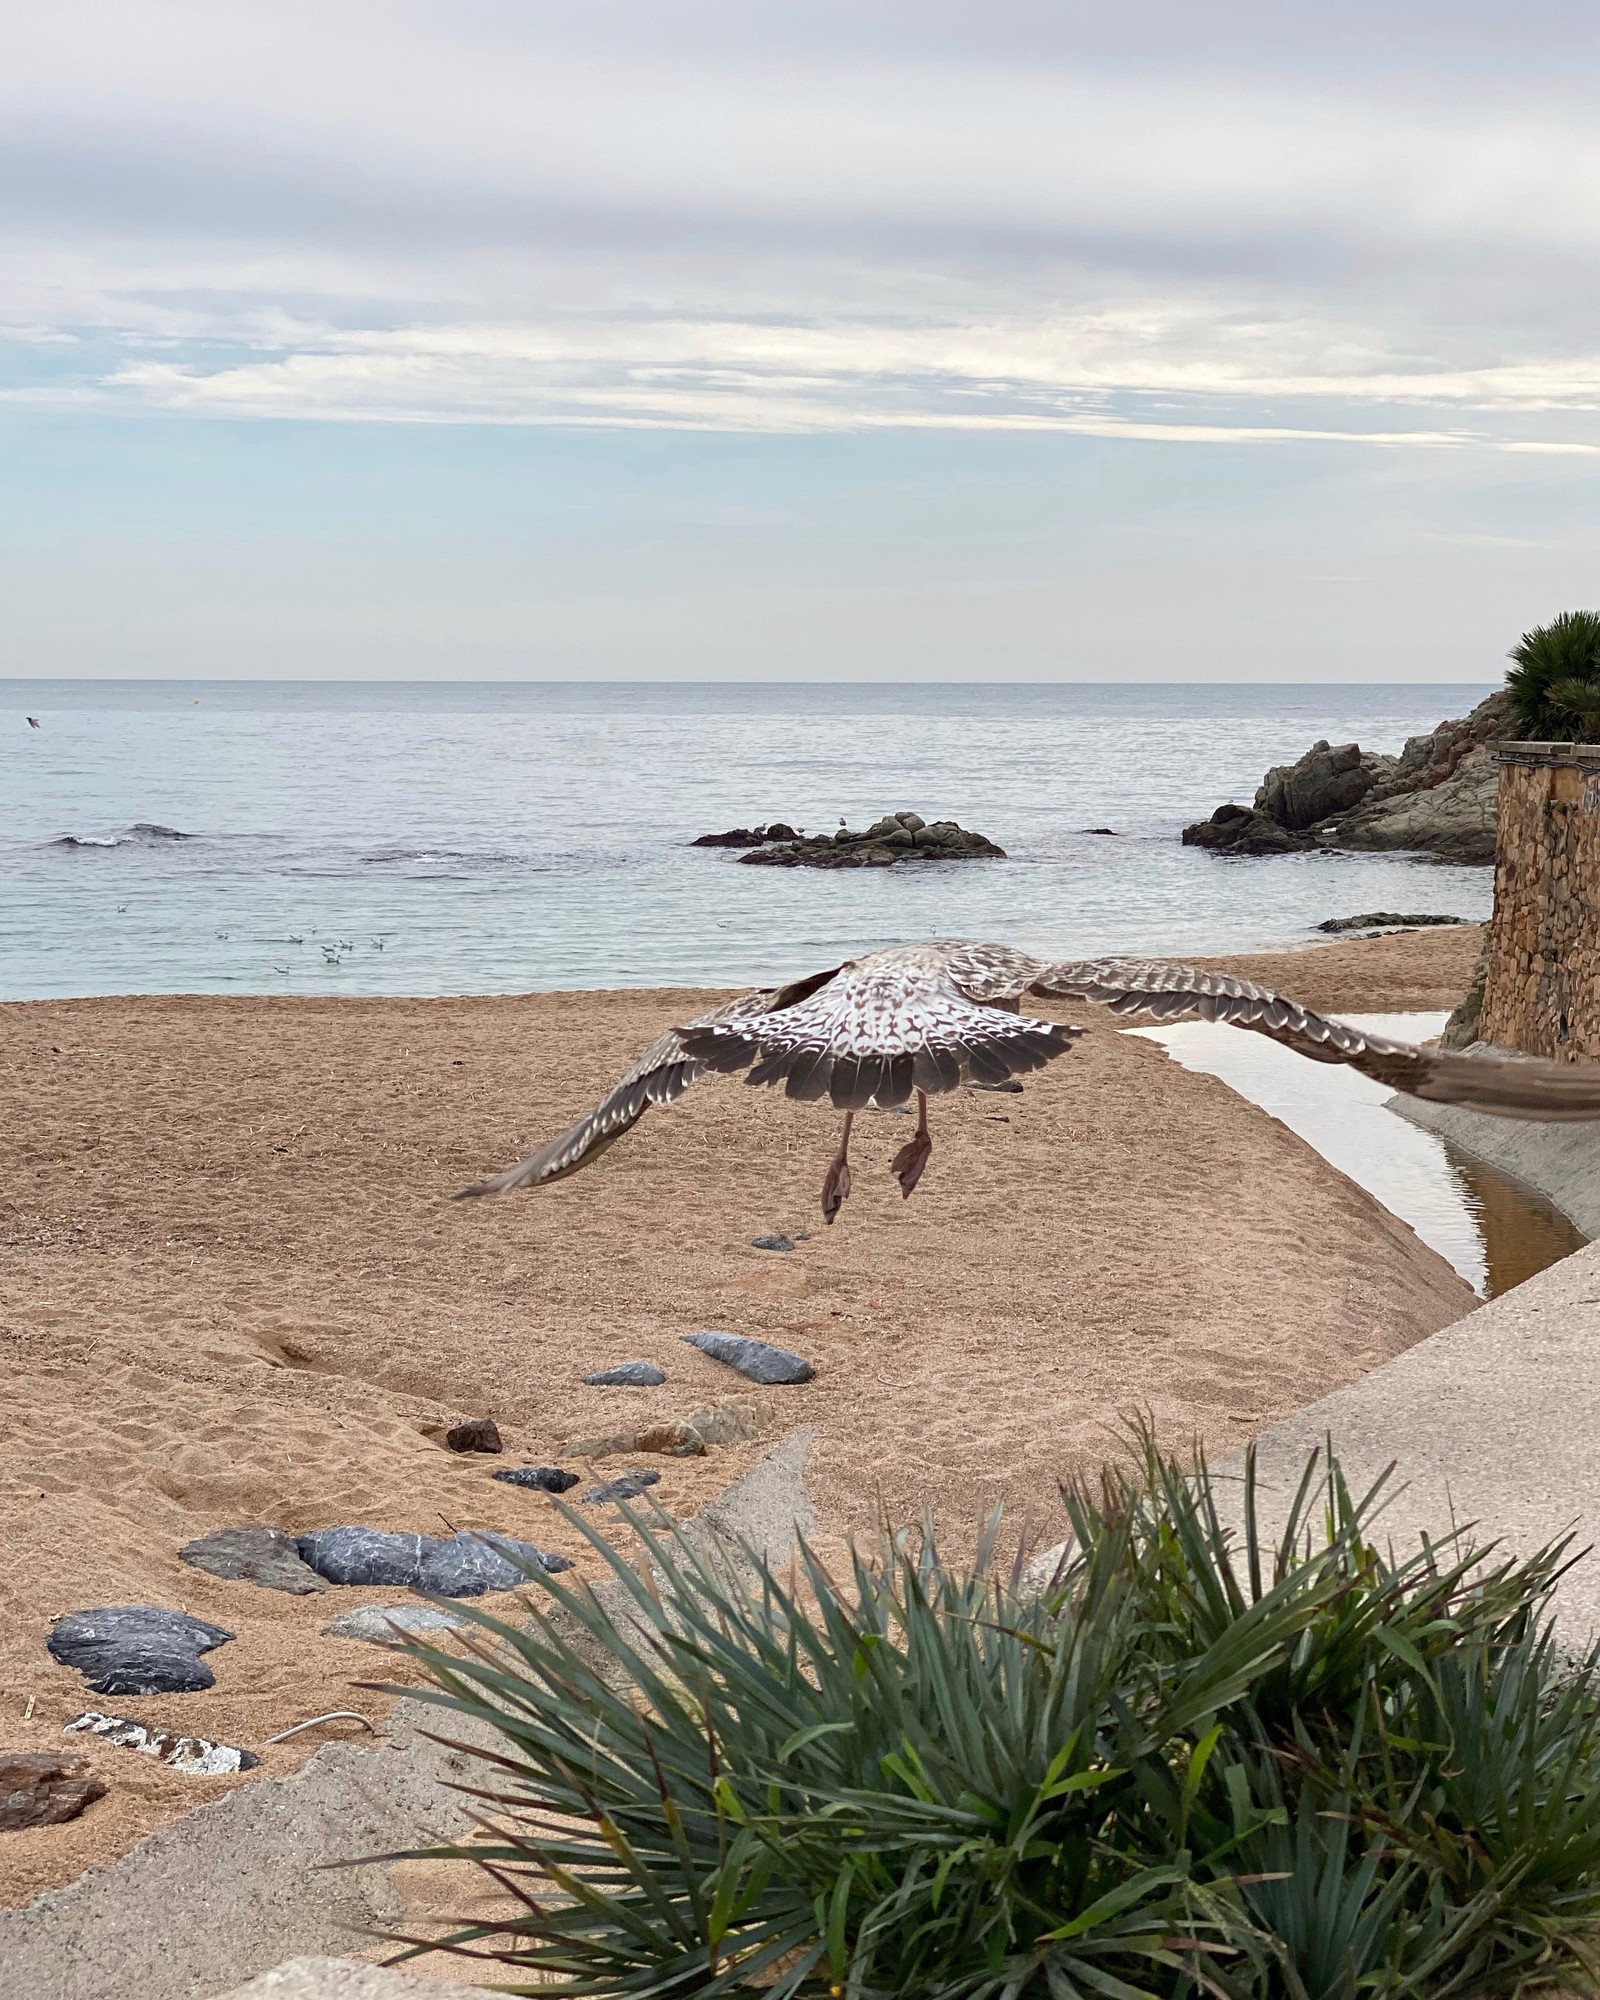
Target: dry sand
235, 1290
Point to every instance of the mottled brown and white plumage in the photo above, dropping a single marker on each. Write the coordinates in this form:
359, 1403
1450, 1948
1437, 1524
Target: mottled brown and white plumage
928, 1017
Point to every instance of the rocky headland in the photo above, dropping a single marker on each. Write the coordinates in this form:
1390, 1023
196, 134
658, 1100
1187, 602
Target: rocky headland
1437, 797
897, 837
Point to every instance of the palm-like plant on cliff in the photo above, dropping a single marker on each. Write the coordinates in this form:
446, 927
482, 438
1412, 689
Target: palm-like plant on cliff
1555, 679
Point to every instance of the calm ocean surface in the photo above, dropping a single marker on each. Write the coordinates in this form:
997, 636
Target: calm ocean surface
500, 837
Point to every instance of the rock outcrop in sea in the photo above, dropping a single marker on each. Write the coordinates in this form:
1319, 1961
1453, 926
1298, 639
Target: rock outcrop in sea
1437, 797
897, 837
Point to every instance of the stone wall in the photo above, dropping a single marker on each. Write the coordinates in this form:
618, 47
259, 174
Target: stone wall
1542, 987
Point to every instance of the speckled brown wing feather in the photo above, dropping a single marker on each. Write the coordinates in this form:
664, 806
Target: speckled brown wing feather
1509, 1087
891, 1022
660, 1076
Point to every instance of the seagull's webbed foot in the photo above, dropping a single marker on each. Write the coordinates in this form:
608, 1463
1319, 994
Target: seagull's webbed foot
836, 1182
913, 1156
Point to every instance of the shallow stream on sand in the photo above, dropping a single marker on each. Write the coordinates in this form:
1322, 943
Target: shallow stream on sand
1496, 1231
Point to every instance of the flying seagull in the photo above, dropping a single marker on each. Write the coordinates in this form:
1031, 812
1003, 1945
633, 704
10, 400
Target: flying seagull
33, 722
926, 1017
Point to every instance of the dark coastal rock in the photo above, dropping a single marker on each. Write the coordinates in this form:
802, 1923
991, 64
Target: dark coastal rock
1438, 797
1108, 830
253, 1555
778, 1242
137, 1649
541, 1478
476, 1434
44, 1788
747, 836
468, 1564
391, 1624
897, 838
194, 1756
1235, 829
754, 1359
628, 1487
627, 1375
1385, 920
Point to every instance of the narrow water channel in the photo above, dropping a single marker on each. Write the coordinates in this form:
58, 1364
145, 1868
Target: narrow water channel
1495, 1230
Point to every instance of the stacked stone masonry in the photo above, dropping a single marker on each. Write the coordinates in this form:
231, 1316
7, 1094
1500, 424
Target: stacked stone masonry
1542, 987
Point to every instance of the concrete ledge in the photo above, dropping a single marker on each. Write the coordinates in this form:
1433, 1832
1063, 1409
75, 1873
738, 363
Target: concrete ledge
232, 1888
1494, 1421
342, 1979
1561, 1162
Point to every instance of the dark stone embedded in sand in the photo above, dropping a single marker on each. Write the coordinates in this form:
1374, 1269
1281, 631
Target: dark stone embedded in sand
477, 1560
898, 837
627, 1375
779, 1242
363, 1555
753, 1358
1385, 920
1009, 1087
253, 1555
628, 1487
466, 1565
44, 1788
137, 1649
476, 1434
542, 1478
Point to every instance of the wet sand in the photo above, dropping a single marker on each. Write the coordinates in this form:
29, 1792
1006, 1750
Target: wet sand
235, 1290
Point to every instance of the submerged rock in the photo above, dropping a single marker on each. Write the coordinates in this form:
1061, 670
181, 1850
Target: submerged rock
44, 1788
1385, 920
896, 838
627, 1375
195, 1756
754, 1359
476, 1434
137, 1649
541, 1478
253, 1555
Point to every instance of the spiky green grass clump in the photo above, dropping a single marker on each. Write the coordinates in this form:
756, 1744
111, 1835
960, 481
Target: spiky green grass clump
1201, 1761
1555, 679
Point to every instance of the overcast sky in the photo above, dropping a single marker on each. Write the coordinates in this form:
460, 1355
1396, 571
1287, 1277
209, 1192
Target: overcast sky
1033, 339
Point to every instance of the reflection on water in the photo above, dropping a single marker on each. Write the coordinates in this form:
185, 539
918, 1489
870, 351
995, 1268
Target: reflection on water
1493, 1229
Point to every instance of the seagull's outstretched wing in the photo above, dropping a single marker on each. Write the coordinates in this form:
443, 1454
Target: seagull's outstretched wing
1509, 1087
660, 1076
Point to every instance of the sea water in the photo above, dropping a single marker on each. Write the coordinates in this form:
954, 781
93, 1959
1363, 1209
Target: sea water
429, 838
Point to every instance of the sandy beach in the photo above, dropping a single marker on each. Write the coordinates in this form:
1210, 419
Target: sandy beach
235, 1290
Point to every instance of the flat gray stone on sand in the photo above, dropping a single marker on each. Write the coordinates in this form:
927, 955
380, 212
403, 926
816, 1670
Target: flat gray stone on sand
754, 1359
776, 1242
253, 1555
384, 1624
137, 1649
195, 1756
627, 1375
540, 1478
628, 1487
466, 1565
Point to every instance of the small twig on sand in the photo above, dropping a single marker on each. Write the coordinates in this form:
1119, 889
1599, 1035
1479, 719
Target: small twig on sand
333, 1715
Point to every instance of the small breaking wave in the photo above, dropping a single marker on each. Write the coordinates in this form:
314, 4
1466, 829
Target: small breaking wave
143, 833
468, 857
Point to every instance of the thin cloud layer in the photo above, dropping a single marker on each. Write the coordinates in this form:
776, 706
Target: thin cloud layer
801, 219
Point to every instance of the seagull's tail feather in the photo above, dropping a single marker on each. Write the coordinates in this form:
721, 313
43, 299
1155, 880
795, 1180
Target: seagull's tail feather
847, 1061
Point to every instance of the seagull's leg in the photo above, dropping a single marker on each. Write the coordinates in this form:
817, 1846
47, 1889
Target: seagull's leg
908, 1163
836, 1182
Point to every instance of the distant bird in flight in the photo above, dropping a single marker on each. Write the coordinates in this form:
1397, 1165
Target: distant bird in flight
926, 1017
33, 722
